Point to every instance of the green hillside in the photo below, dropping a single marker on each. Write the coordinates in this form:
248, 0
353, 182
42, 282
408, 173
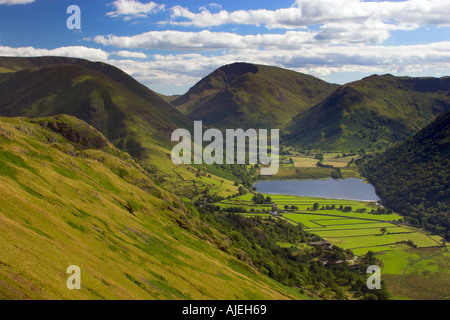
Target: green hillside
376, 111
69, 197
413, 177
242, 95
117, 110
131, 116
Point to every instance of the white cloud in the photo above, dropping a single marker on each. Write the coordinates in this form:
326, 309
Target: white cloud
130, 54
72, 51
318, 12
205, 40
133, 9
13, 2
339, 21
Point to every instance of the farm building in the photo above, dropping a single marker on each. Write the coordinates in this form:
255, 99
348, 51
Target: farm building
323, 243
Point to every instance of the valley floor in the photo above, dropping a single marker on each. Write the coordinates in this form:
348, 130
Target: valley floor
415, 264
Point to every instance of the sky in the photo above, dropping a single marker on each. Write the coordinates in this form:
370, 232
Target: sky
171, 45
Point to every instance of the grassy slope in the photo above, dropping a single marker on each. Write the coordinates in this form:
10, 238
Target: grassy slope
251, 96
373, 112
65, 204
419, 274
131, 116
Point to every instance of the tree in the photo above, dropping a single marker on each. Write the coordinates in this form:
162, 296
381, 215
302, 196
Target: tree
383, 230
315, 206
286, 207
258, 198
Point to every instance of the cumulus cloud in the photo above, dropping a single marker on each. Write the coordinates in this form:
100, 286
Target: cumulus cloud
133, 9
205, 40
13, 2
305, 12
130, 54
71, 51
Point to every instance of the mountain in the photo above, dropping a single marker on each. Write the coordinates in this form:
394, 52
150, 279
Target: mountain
413, 177
243, 95
376, 111
131, 116
100, 94
69, 197
168, 99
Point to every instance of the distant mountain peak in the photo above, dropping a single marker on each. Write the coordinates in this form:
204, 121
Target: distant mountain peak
248, 95
373, 112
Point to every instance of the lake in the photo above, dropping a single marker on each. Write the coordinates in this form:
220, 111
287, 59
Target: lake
351, 189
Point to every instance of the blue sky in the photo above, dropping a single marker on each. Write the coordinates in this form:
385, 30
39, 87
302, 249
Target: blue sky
170, 45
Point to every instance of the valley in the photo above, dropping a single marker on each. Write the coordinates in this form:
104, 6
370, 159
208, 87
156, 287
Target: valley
359, 231
87, 178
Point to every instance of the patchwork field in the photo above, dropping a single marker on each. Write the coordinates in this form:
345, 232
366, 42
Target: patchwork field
357, 231
303, 161
414, 264
301, 166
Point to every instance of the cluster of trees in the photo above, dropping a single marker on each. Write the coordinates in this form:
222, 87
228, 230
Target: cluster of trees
350, 154
381, 211
260, 199
254, 241
322, 165
316, 207
413, 177
337, 174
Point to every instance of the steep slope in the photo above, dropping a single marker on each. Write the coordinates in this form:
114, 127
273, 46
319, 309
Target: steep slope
69, 197
373, 112
92, 96
413, 177
131, 116
243, 95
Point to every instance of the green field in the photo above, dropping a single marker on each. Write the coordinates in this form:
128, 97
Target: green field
414, 263
359, 232
421, 274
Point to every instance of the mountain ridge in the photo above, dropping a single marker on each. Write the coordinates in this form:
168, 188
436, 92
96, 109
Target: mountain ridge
138, 124
251, 96
370, 113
